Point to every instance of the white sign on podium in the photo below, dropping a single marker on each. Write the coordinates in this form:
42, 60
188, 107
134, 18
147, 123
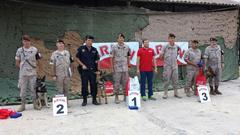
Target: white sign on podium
59, 105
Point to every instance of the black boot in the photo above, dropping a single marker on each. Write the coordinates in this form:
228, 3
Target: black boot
212, 92
84, 103
217, 91
94, 101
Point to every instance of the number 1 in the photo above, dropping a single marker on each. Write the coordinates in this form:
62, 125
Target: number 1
135, 101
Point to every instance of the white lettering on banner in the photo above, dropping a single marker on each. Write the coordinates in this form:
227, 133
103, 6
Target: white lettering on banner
104, 50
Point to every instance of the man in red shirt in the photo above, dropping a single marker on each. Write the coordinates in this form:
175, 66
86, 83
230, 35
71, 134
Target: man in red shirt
145, 65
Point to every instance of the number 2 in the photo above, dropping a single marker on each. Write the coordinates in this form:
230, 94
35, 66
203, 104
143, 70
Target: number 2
205, 96
60, 110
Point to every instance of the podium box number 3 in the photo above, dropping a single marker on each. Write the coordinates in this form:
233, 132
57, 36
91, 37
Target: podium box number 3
204, 94
59, 105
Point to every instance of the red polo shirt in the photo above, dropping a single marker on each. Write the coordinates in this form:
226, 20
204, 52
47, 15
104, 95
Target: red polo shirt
146, 56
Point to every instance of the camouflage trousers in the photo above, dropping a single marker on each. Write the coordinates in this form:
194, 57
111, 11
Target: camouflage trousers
120, 79
191, 79
170, 74
27, 82
63, 85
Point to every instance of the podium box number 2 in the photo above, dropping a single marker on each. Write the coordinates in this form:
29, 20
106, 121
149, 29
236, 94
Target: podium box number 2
59, 106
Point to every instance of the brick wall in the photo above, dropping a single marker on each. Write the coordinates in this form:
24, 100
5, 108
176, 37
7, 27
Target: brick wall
188, 26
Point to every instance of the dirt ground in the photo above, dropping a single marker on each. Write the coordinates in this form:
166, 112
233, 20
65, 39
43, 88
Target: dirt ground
173, 116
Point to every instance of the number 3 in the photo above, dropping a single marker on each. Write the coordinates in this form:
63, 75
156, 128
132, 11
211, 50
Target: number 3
205, 96
60, 110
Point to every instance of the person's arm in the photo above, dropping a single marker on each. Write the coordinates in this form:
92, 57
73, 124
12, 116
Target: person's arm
155, 64
128, 58
18, 59
138, 64
222, 59
161, 55
53, 63
112, 59
79, 61
190, 62
18, 63
205, 56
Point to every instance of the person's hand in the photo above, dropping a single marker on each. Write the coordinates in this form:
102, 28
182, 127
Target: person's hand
222, 65
54, 78
97, 72
138, 72
129, 66
84, 67
155, 70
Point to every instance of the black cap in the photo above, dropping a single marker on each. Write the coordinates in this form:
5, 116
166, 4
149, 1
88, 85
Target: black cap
61, 40
171, 35
213, 39
89, 37
195, 41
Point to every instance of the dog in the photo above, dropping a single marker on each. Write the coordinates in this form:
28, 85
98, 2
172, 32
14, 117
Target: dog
210, 73
41, 92
101, 86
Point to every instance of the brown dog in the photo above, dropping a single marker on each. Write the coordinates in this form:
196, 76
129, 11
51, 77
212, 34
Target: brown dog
101, 86
210, 73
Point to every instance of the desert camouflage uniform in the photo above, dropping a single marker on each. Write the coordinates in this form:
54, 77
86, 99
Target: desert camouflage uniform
27, 73
170, 67
194, 56
120, 55
61, 62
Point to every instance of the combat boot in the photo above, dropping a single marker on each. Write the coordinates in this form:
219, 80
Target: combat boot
117, 101
217, 91
176, 95
22, 106
94, 101
212, 92
165, 96
84, 103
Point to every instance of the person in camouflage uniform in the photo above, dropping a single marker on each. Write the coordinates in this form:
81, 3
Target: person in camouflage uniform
120, 63
26, 61
170, 68
214, 62
61, 61
192, 57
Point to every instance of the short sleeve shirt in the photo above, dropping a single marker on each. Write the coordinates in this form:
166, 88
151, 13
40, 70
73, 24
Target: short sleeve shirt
193, 56
29, 54
146, 56
170, 54
213, 54
88, 57
120, 54
61, 62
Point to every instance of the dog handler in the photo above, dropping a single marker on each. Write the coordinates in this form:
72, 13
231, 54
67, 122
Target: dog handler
61, 61
26, 61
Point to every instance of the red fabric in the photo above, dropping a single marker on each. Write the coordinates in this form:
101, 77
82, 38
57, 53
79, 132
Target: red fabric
200, 80
5, 113
146, 59
108, 87
127, 86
